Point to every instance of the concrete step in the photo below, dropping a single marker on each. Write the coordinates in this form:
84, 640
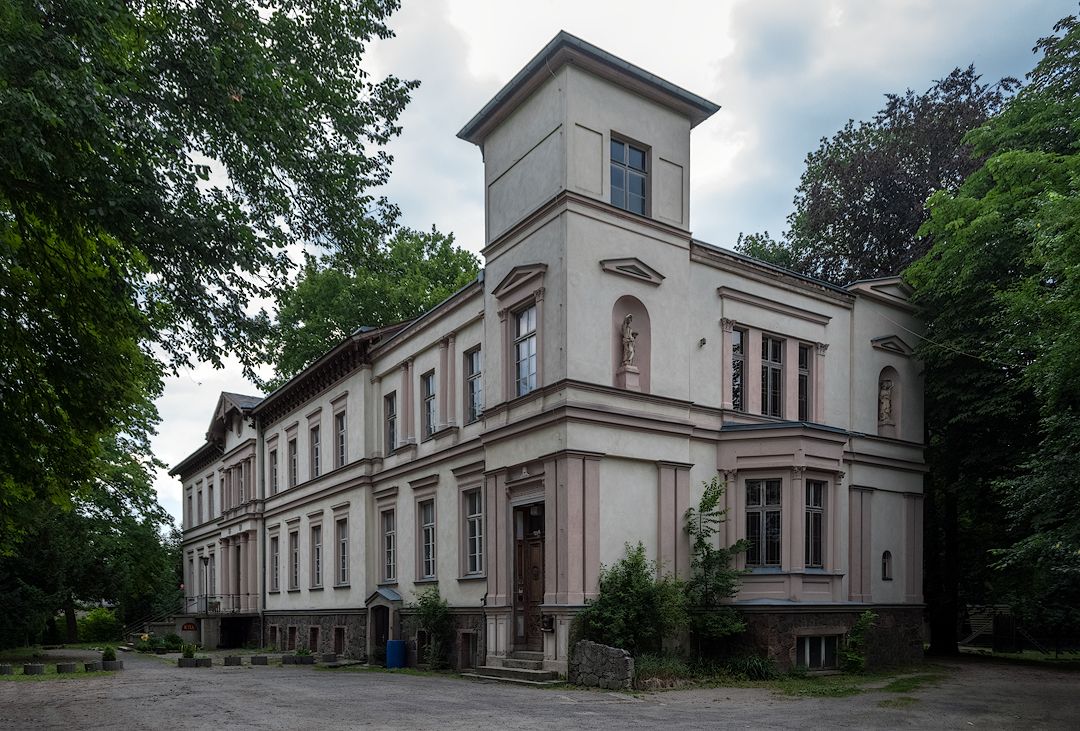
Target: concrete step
513, 662
515, 681
535, 676
526, 655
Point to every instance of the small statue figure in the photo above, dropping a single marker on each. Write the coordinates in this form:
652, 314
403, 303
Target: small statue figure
885, 401
628, 341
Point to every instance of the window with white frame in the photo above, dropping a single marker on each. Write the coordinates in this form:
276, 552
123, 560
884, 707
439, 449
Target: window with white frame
427, 392
294, 560
815, 524
240, 471
738, 369
273, 472
816, 653
275, 564
886, 566
316, 451
342, 528
340, 439
426, 509
292, 463
474, 393
210, 499
772, 376
763, 523
474, 532
316, 555
198, 505
390, 416
389, 545
525, 350
804, 382
629, 176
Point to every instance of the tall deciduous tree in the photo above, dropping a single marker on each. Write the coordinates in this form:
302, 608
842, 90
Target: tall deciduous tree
1001, 293
156, 159
861, 198
410, 273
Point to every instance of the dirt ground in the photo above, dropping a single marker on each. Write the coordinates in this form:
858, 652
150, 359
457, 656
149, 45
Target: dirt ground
153, 694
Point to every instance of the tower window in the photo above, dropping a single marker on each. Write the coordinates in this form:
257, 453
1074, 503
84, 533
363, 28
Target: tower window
629, 175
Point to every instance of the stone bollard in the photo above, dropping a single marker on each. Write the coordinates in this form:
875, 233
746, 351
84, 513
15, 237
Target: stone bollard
33, 669
329, 657
112, 665
204, 662
93, 667
6, 669
66, 667
233, 661
288, 659
259, 660
187, 662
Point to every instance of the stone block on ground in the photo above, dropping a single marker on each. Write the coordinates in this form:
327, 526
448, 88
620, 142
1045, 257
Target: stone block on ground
599, 666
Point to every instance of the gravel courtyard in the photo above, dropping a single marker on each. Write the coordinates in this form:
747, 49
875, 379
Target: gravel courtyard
151, 694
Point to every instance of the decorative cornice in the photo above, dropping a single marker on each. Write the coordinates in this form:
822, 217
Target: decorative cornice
764, 303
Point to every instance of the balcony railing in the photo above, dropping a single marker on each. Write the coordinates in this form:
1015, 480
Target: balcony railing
221, 603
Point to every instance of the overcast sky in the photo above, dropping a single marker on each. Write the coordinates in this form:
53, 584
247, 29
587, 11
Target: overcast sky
784, 73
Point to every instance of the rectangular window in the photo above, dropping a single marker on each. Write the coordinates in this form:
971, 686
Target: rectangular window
772, 376
198, 504
340, 437
816, 653
190, 512
738, 369
292, 462
242, 478
275, 564
212, 585
427, 392
313, 639
815, 523
629, 175
292, 639
804, 383
210, 500
474, 394
763, 522
316, 555
390, 412
427, 539
525, 350
342, 528
389, 551
273, 472
316, 452
294, 560
474, 532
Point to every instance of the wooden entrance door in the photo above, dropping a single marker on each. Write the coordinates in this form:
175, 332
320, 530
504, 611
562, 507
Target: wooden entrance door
528, 576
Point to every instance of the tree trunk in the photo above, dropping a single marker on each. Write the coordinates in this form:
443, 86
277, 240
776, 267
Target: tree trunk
69, 618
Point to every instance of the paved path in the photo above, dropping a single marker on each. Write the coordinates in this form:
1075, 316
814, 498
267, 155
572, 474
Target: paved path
151, 694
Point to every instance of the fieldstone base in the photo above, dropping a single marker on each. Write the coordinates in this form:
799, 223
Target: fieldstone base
276, 632
600, 666
465, 648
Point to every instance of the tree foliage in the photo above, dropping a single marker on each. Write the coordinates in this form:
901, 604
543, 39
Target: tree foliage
1001, 293
860, 200
156, 159
636, 608
399, 279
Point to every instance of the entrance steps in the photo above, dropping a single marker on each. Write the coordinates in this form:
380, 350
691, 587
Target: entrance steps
526, 668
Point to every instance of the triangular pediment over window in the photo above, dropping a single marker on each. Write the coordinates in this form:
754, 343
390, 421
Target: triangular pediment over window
891, 290
634, 268
892, 344
518, 277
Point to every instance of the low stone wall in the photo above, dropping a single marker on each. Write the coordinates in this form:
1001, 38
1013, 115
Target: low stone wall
355, 625
600, 666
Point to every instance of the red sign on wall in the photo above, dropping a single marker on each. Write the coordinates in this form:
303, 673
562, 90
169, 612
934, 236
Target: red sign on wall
188, 627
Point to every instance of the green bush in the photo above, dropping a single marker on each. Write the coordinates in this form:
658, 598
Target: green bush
853, 653
173, 643
188, 650
302, 651
635, 610
752, 667
143, 646
108, 654
667, 668
433, 616
99, 625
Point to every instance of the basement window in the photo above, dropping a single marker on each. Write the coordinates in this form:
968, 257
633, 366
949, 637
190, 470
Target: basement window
817, 653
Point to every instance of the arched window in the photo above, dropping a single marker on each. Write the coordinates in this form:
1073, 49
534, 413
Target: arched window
886, 566
888, 402
631, 344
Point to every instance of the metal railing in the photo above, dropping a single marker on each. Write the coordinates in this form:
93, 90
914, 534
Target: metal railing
221, 603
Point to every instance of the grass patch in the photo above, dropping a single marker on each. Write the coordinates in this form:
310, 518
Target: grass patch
819, 686
913, 682
51, 675
902, 702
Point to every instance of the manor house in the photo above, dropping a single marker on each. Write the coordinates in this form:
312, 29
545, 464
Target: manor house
575, 398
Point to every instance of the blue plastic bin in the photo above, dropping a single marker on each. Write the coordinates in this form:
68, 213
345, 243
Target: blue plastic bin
395, 653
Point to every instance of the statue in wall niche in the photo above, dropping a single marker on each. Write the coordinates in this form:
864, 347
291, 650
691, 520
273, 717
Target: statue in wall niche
885, 401
629, 338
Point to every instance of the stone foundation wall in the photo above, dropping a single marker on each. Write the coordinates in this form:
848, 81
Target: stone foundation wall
355, 625
896, 638
468, 624
600, 666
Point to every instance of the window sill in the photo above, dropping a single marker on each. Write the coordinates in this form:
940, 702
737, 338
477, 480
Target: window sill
342, 586
388, 582
294, 591
427, 580
315, 588
274, 591
445, 432
766, 570
473, 577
